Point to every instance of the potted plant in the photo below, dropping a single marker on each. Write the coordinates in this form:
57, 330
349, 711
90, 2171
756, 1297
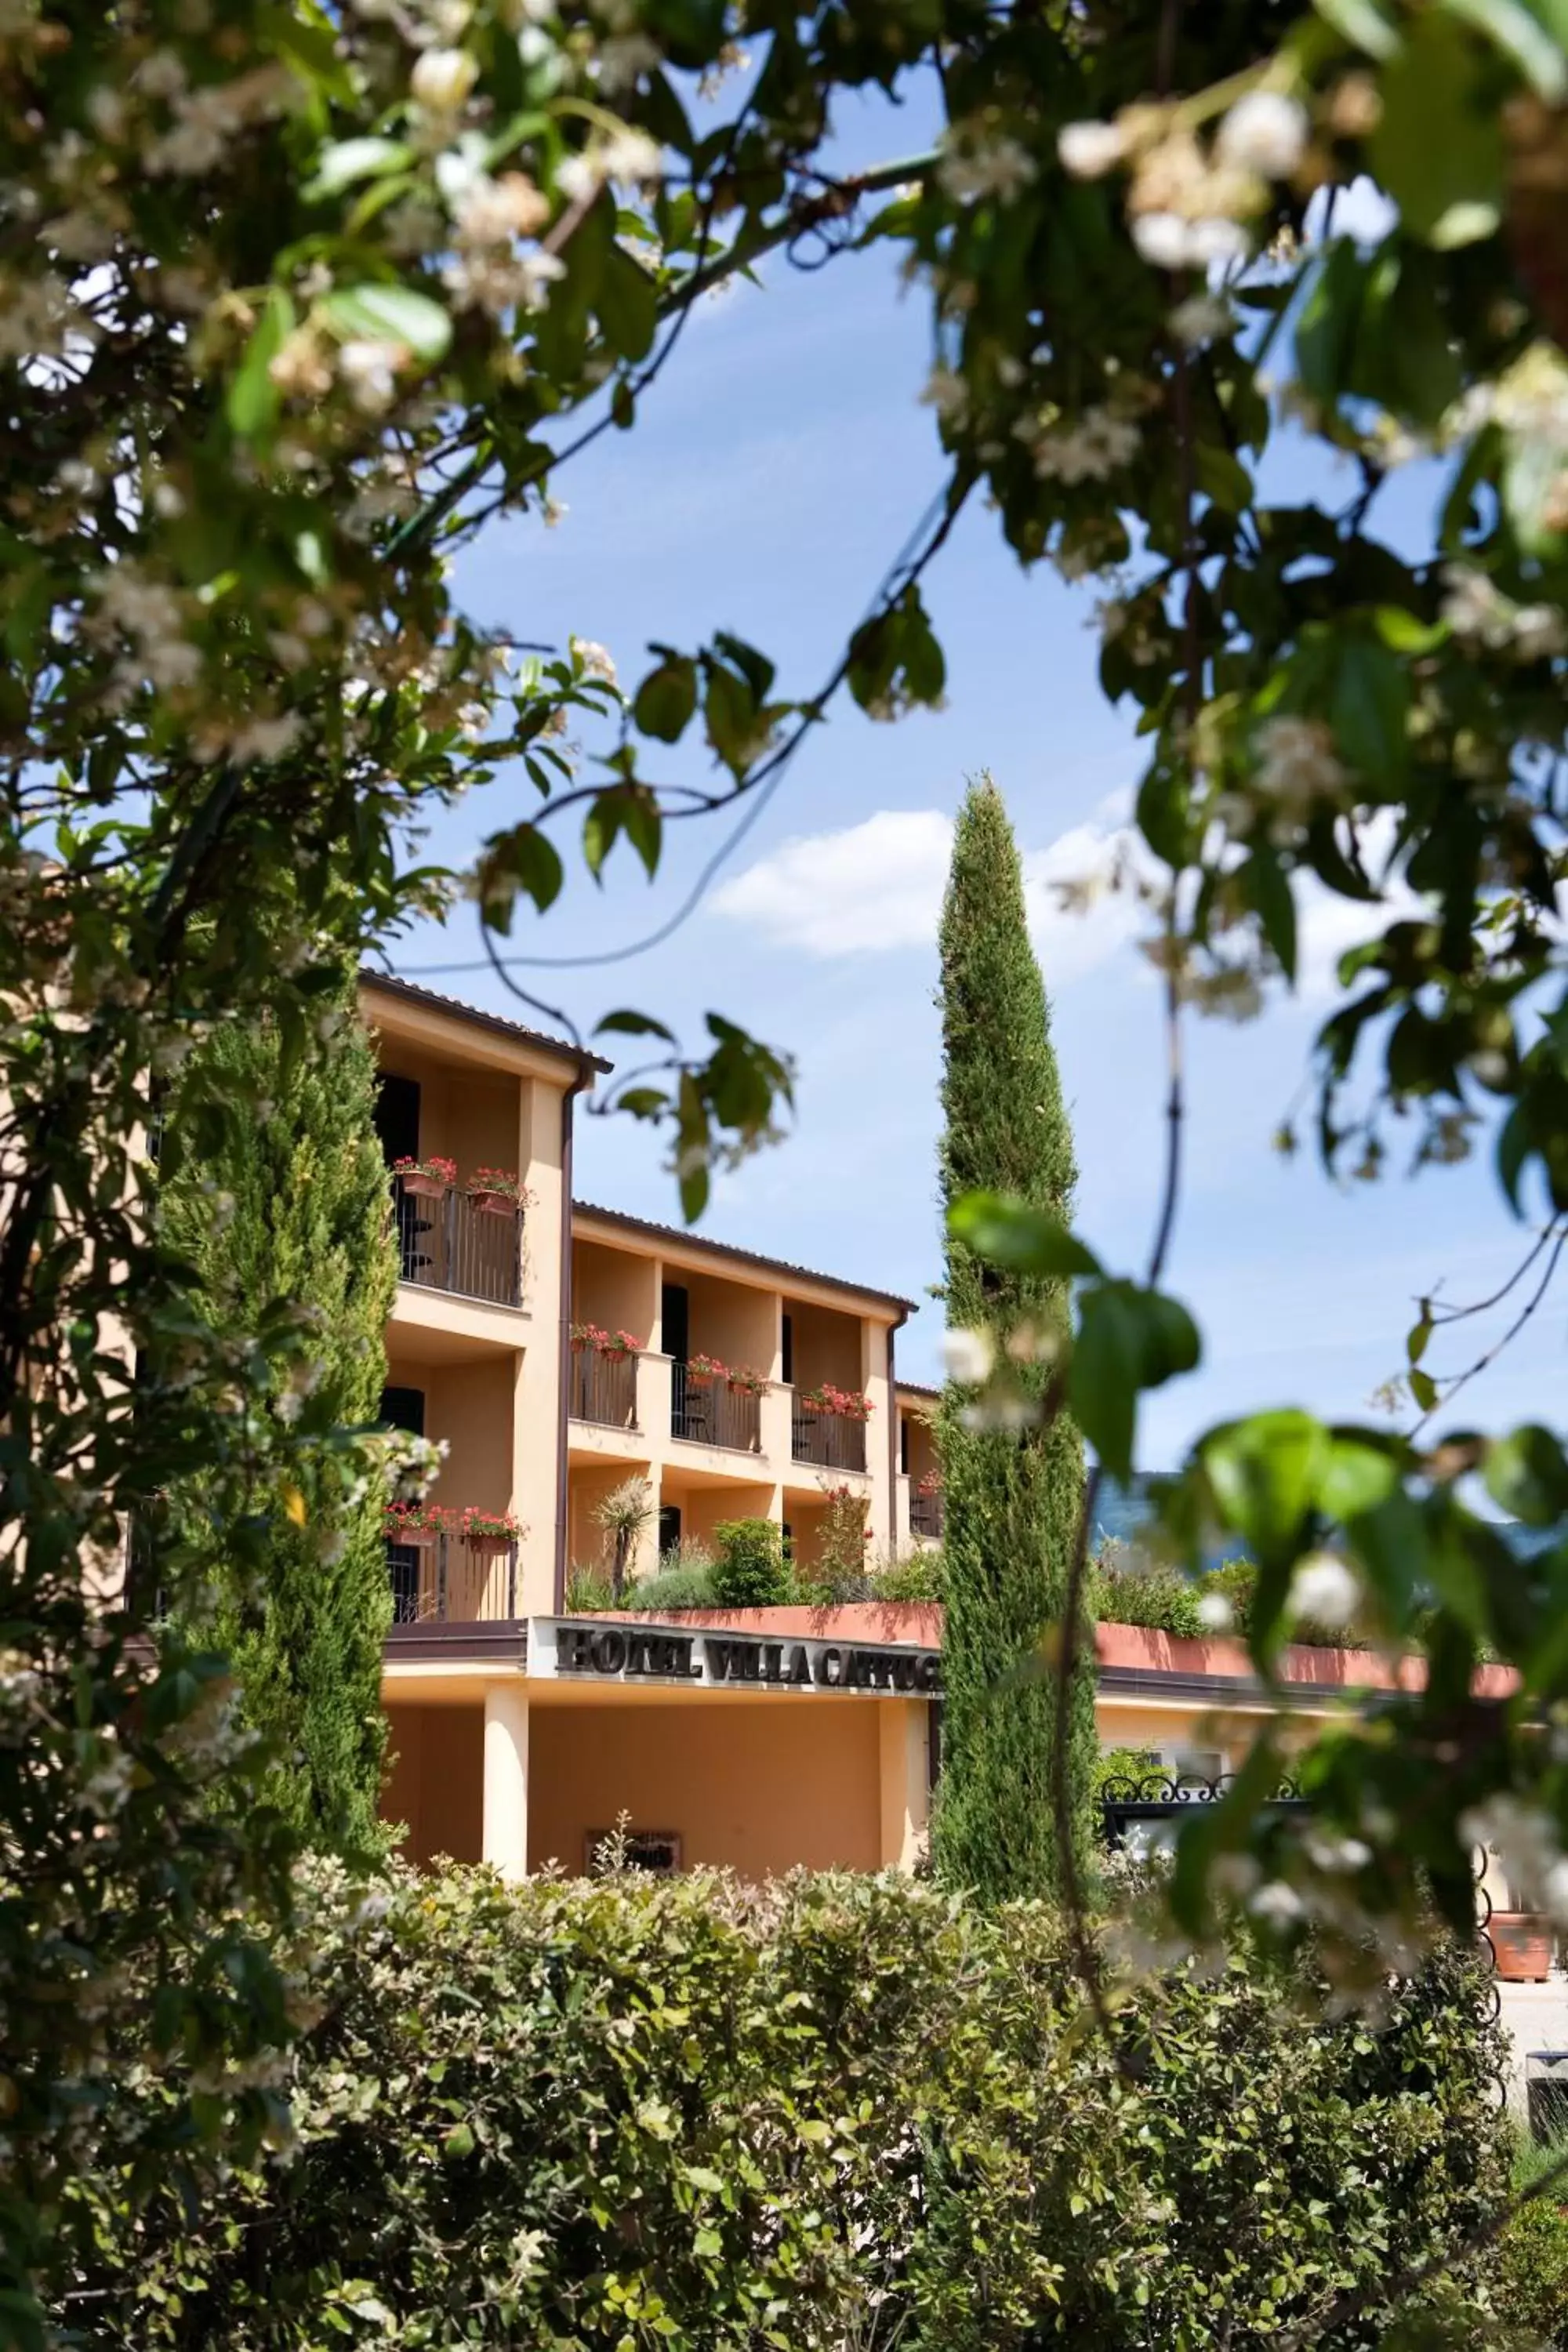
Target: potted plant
706, 1367
429, 1178
494, 1191
1522, 1942
586, 1336
418, 1524
850, 1404
488, 1533
745, 1379
619, 1343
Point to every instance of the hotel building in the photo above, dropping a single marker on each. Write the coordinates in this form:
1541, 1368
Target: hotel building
561, 1349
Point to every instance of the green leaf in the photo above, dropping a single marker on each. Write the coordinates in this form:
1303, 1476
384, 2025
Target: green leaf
1266, 1472
1325, 333
459, 2143
350, 160
1012, 1234
1361, 22
666, 699
1423, 1387
1268, 894
1437, 148
1357, 1478
628, 1024
1420, 1333
1368, 707
523, 858
1405, 632
1518, 33
1224, 478
391, 314
1527, 1475
1129, 1340
254, 399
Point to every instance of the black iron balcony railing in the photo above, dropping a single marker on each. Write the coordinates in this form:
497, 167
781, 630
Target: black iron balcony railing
604, 1389
447, 1242
444, 1582
834, 1441
708, 1412
925, 1513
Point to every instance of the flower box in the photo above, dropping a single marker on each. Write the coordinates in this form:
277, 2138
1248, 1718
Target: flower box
826, 1401
494, 1191
427, 1180
1522, 1942
488, 1534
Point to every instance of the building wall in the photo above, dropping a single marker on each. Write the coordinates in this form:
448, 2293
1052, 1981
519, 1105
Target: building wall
731, 1320
467, 1114
826, 1346
587, 1545
758, 1788
435, 1785
614, 1289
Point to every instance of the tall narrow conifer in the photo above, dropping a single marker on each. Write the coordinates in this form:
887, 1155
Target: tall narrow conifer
292, 1206
1012, 1498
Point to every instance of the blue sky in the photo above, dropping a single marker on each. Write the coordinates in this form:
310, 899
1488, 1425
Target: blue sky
774, 470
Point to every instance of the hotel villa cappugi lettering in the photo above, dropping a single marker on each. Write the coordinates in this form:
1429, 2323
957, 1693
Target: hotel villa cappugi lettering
624, 1653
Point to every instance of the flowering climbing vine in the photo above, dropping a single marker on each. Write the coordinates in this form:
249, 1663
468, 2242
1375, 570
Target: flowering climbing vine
292, 300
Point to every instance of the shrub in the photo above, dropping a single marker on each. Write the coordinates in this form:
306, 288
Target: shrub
749, 1572
840, 2110
674, 1588
918, 1578
587, 1590
1530, 2272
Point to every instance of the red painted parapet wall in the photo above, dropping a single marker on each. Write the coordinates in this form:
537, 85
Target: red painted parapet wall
1128, 1647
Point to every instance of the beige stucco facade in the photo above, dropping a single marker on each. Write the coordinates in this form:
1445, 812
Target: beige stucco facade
555, 1353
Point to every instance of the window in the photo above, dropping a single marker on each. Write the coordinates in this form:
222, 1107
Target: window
668, 1528
404, 1409
656, 1851
904, 1445
676, 1312
788, 1342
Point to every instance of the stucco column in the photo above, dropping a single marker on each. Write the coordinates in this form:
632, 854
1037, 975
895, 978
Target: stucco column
505, 1832
904, 1775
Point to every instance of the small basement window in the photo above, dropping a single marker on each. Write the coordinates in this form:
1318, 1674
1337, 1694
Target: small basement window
656, 1851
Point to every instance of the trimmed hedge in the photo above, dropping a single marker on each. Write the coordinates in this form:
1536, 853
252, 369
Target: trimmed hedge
836, 2112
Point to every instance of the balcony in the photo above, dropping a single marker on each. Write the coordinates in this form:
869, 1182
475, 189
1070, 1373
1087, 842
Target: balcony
925, 1514
449, 1241
604, 1388
440, 1579
705, 1410
832, 1441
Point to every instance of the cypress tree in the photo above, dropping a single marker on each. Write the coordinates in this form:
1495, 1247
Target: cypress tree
1011, 1496
292, 1206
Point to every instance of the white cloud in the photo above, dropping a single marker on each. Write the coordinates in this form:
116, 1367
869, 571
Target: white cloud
879, 886
876, 887
870, 887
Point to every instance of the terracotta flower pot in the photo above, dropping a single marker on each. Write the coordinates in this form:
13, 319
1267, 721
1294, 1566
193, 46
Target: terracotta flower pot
423, 1187
493, 1204
1522, 1942
488, 1547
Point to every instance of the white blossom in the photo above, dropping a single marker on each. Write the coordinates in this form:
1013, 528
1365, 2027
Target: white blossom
1090, 149
968, 1356
1277, 1904
1215, 1614
1325, 1588
492, 211
442, 79
369, 367
947, 392
1001, 167
1090, 450
624, 59
1297, 764
1265, 132
1202, 318
1479, 613
593, 660
264, 738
